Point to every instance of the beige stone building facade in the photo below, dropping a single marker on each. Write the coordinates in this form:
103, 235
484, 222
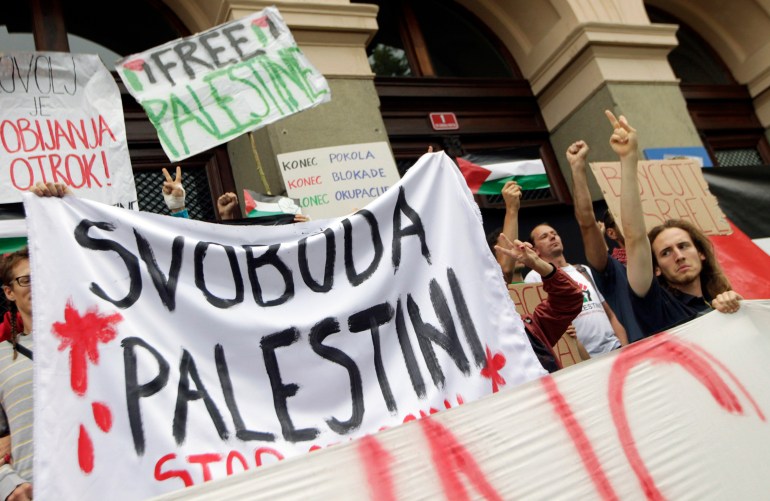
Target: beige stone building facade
686, 73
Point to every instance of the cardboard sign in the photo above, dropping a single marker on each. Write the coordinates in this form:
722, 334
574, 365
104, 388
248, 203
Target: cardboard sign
526, 297
172, 351
670, 189
335, 181
207, 89
62, 122
680, 415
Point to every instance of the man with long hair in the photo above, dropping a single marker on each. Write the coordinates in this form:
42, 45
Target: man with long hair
672, 271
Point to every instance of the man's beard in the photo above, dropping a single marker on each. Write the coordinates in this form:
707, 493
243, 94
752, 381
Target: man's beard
683, 280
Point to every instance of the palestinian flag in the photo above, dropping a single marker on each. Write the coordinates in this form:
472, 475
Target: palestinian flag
13, 227
260, 205
487, 174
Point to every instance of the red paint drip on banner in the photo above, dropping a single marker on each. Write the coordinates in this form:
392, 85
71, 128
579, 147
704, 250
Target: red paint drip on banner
377, 463
579, 439
82, 334
451, 458
85, 451
664, 349
102, 416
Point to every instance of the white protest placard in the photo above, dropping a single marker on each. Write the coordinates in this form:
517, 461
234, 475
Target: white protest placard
335, 181
669, 189
680, 415
214, 349
206, 89
61, 121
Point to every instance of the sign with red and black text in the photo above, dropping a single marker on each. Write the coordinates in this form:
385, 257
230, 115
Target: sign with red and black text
338, 180
169, 351
61, 121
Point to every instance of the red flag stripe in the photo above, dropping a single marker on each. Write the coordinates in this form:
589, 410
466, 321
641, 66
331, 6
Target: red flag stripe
474, 175
744, 263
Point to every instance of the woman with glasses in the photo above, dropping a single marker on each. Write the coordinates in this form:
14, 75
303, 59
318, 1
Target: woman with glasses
16, 376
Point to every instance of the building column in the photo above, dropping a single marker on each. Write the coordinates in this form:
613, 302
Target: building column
620, 67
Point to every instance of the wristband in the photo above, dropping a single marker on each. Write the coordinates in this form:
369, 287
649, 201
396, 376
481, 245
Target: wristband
174, 202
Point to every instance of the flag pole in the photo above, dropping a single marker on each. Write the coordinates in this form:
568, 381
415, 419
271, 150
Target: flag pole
261, 171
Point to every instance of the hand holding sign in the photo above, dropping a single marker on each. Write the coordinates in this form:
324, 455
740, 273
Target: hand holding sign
50, 189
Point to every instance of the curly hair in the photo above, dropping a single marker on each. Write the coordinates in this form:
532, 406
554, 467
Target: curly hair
713, 280
7, 264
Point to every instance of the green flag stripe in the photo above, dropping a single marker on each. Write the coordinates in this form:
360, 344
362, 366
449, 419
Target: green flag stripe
257, 213
526, 182
12, 244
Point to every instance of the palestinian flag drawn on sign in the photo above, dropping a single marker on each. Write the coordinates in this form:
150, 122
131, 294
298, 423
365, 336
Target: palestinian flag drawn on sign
486, 174
260, 205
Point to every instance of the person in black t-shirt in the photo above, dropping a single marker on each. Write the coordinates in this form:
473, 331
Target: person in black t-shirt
689, 279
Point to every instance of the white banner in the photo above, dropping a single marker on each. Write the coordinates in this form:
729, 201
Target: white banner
680, 415
61, 121
207, 89
172, 351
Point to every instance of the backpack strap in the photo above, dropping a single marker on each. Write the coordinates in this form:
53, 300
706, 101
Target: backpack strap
22, 349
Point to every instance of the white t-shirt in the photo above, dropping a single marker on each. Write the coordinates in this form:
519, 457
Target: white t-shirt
592, 325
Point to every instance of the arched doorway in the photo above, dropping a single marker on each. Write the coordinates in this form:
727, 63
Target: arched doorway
435, 56
721, 109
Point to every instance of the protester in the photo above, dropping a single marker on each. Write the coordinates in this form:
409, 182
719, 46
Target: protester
553, 316
689, 281
610, 276
228, 207
597, 326
511, 193
512, 269
16, 376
